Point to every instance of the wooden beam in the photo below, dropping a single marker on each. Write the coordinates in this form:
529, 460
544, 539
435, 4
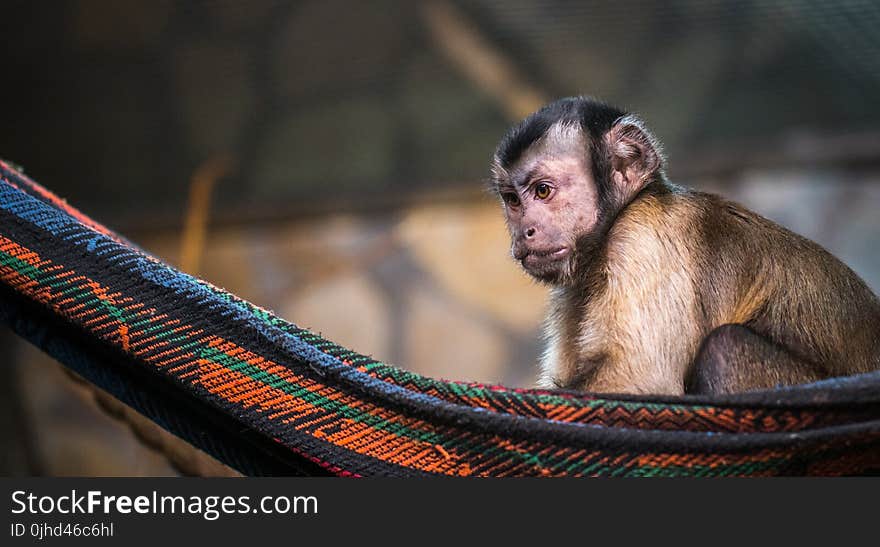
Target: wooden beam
461, 41
195, 225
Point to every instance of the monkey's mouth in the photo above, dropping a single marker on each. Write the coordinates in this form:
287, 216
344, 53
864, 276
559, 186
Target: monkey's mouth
543, 260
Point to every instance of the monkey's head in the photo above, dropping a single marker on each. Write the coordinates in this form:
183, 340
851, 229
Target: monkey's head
563, 174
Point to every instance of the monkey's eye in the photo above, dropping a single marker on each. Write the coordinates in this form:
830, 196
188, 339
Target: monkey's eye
542, 190
510, 198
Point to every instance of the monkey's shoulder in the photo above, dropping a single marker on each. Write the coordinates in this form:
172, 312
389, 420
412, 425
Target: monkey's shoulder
729, 226
717, 222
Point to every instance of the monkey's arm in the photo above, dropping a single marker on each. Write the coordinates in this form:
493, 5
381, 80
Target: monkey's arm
641, 344
637, 370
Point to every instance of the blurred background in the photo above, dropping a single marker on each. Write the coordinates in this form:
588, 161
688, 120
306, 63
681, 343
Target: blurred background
327, 159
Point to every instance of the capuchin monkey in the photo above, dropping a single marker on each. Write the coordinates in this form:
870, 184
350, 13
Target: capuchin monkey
663, 290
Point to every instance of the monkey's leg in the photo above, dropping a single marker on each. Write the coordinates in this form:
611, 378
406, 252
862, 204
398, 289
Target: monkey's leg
735, 358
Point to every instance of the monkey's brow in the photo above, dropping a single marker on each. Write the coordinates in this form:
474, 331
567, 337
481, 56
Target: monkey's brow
523, 181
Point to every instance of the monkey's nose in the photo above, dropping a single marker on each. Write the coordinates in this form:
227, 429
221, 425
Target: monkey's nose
530, 232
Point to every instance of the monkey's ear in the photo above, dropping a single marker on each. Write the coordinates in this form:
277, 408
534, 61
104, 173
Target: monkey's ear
635, 155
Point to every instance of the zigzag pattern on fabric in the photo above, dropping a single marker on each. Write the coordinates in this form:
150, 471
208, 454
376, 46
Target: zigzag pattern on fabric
160, 339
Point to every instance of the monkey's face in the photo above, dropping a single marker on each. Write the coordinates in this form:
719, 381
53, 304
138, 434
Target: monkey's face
550, 203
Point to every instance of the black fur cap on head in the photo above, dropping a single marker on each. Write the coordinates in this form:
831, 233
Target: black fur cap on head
594, 118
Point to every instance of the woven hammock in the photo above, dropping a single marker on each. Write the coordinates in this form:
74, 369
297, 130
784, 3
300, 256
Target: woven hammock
269, 398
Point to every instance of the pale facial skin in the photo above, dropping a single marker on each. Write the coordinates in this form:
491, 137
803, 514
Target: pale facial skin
550, 200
